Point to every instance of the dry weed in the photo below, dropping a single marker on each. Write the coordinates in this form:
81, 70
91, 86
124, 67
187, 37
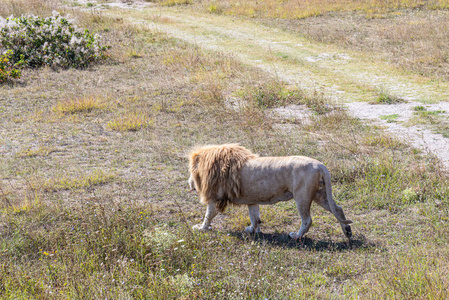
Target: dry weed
292, 9
80, 105
130, 122
20, 7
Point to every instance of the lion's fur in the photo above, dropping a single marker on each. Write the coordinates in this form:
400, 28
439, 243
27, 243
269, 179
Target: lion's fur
231, 174
215, 169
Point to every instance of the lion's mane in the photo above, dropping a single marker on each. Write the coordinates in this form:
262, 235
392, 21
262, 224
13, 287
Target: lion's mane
216, 172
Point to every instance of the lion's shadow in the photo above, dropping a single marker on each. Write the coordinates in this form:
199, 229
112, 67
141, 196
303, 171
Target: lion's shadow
283, 240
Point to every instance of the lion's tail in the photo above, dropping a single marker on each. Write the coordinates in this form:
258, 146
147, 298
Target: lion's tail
330, 200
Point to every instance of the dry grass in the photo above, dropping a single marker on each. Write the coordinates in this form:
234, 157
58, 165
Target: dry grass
175, 2
20, 7
292, 9
437, 120
64, 182
83, 105
68, 231
386, 98
41, 151
413, 40
408, 33
130, 122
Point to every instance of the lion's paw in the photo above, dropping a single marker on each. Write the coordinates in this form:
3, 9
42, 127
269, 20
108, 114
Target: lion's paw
294, 235
198, 227
249, 229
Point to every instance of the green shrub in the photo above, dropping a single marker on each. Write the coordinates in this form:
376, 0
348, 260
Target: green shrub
8, 70
52, 41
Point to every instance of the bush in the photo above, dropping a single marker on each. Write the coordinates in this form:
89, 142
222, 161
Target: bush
52, 41
8, 70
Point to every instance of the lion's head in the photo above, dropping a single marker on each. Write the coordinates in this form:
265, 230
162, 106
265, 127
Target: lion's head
215, 172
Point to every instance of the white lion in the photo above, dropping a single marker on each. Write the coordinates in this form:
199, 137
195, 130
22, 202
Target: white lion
231, 174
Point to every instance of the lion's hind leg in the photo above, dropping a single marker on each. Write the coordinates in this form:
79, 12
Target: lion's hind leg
303, 206
306, 222
320, 199
254, 215
211, 212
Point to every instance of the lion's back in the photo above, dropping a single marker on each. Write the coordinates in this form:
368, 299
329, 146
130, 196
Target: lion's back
269, 176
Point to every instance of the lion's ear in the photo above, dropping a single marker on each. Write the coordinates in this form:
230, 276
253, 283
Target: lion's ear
194, 161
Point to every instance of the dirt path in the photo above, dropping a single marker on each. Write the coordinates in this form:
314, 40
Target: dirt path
345, 76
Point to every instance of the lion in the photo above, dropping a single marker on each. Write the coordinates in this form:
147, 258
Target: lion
231, 174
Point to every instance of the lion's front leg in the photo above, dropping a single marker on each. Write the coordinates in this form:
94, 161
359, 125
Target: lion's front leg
211, 212
254, 216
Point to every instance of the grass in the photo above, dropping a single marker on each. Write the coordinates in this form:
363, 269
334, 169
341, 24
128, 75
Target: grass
437, 120
109, 215
419, 108
297, 10
130, 122
268, 95
412, 40
84, 105
274, 93
64, 182
175, 2
385, 98
32, 152
359, 74
407, 34
390, 118
19, 7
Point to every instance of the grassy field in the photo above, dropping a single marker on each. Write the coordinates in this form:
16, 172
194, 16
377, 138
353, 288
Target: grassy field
291, 9
94, 201
410, 34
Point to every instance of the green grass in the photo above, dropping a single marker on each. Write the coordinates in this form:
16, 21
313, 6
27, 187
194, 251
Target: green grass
124, 231
390, 118
419, 108
436, 120
385, 98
